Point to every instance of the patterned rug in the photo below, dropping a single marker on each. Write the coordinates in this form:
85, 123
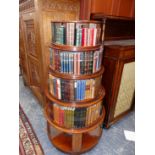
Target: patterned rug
28, 141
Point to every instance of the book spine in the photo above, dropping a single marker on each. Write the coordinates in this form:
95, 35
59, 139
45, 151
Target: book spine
54, 83
81, 63
94, 61
78, 36
62, 116
59, 88
72, 90
91, 63
75, 90
70, 34
84, 117
94, 37
67, 62
88, 36
84, 88
75, 63
78, 67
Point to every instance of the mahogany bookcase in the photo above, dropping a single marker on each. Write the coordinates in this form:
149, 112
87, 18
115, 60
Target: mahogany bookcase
63, 129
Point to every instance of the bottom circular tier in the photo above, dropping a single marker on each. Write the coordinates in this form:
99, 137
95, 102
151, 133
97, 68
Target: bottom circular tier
74, 143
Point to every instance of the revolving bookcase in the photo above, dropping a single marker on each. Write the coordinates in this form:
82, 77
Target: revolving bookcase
74, 108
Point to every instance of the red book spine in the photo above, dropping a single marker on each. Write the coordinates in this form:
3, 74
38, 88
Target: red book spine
91, 36
83, 33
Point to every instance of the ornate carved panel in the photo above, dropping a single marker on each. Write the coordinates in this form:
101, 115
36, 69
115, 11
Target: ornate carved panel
30, 37
126, 90
26, 5
59, 5
34, 72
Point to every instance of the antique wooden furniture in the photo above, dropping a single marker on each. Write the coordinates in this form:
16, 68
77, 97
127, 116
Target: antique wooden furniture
116, 28
35, 36
119, 82
74, 111
119, 57
123, 8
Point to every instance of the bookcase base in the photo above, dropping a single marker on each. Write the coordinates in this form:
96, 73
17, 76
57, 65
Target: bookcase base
74, 143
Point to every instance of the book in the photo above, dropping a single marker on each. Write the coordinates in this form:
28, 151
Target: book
84, 36
59, 33
78, 34
70, 34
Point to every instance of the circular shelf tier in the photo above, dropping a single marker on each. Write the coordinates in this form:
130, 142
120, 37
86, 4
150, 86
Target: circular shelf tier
77, 21
71, 130
83, 103
76, 77
69, 48
68, 143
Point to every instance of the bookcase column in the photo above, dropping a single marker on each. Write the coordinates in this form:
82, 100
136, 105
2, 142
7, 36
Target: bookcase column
76, 142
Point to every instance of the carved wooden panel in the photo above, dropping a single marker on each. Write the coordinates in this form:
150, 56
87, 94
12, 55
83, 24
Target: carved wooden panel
126, 90
30, 37
26, 5
61, 5
34, 72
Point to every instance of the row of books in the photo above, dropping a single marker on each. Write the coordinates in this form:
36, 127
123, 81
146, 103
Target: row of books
77, 34
71, 117
74, 90
76, 62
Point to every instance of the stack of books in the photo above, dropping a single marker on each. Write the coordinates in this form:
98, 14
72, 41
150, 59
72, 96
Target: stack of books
71, 117
76, 62
76, 34
74, 90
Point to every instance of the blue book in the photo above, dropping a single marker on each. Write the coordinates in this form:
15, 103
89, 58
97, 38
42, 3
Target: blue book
70, 62
65, 63
67, 57
78, 90
81, 89
84, 89
79, 84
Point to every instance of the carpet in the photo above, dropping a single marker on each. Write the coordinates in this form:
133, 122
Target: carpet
28, 141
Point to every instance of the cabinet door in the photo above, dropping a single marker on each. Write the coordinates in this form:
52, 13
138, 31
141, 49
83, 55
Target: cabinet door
126, 89
30, 36
32, 48
22, 54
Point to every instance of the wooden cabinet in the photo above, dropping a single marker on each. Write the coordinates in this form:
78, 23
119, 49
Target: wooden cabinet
124, 8
119, 57
35, 36
118, 79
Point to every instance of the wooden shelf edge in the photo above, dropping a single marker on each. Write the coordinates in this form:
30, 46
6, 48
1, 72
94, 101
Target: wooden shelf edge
69, 48
75, 21
76, 77
76, 131
77, 104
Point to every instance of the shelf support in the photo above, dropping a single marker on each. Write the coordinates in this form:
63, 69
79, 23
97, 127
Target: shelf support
76, 142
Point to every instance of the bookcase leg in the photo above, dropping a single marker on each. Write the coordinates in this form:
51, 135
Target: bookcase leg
76, 142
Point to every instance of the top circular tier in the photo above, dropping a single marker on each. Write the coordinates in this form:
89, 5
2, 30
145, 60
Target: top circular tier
77, 33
